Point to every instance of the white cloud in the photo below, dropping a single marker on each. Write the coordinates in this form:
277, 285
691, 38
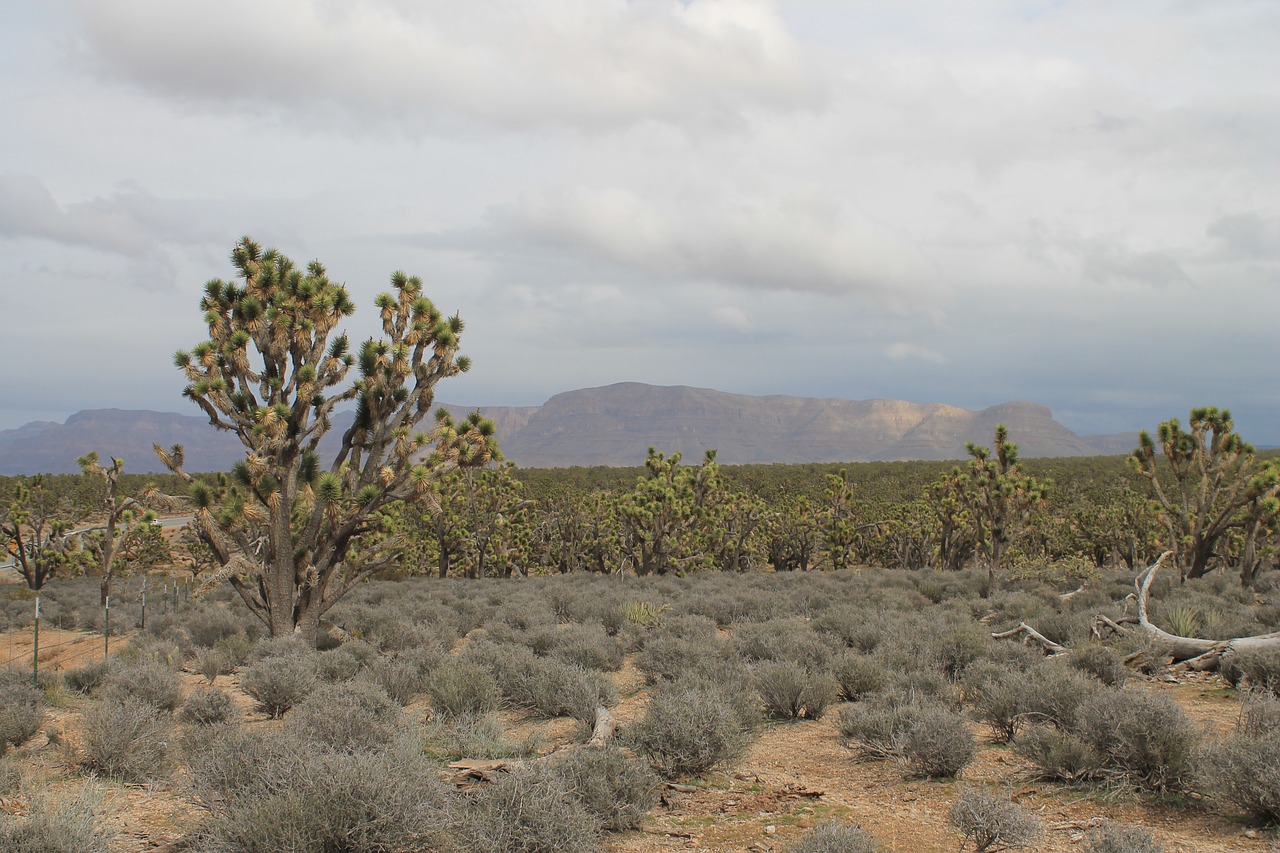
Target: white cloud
585, 63
902, 351
803, 242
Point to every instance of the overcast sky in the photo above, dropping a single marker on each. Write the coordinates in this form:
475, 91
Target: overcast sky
1073, 203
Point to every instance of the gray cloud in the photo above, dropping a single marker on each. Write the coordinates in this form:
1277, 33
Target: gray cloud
582, 63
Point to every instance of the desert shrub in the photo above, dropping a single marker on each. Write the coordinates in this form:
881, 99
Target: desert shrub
991, 821
1117, 838
1100, 662
958, 646
210, 664
790, 692
403, 676
21, 709
462, 687
878, 725
209, 625
150, 681
125, 738
999, 699
1060, 756
1146, 737
936, 743
1244, 771
833, 838
858, 675
544, 686
1258, 668
10, 777
207, 706
529, 810
851, 625
65, 823
237, 649
789, 641
688, 729
153, 650
589, 647
614, 786
1054, 691
666, 658
88, 677
346, 718
279, 682
320, 801
1259, 715
345, 662
479, 737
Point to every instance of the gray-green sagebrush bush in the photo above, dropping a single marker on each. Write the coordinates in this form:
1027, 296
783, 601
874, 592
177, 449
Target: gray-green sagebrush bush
271, 792
834, 838
1117, 838
55, 823
207, 706
688, 729
927, 739
1242, 771
791, 692
125, 738
21, 709
1131, 737
991, 821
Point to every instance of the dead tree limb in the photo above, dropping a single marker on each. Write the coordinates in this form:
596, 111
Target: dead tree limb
1031, 635
1196, 653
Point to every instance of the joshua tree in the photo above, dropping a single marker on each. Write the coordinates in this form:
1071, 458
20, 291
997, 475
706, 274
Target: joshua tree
999, 497
121, 515
291, 534
35, 531
1213, 485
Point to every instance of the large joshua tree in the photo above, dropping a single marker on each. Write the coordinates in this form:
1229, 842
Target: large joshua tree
291, 534
1211, 485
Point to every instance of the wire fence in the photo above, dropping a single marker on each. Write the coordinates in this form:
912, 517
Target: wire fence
170, 598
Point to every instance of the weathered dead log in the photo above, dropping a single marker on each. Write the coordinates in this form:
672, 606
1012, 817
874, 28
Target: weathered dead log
1196, 653
1031, 635
602, 731
472, 773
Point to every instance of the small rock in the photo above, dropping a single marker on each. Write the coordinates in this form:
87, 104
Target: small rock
1251, 833
771, 830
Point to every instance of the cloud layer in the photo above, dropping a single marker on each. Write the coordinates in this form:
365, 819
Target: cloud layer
968, 203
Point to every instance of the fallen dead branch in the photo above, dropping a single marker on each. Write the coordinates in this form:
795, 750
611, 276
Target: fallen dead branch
1195, 653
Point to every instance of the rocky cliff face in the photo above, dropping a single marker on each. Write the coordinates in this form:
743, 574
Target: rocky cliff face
603, 426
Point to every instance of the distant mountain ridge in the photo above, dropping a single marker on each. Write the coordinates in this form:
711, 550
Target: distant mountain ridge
612, 426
